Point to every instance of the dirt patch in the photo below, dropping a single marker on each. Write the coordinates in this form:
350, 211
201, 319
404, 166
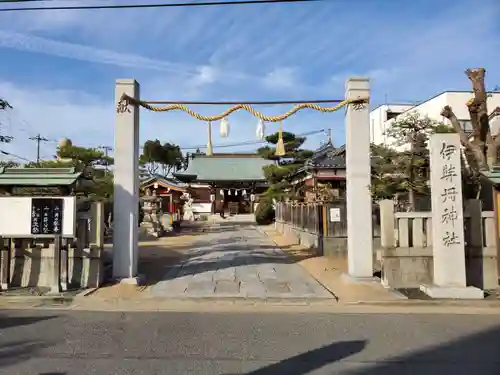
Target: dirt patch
155, 257
330, 272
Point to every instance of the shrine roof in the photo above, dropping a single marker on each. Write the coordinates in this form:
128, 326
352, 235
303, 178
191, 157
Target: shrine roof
327, 156
38, 176
226, 167
493, 175
165, 181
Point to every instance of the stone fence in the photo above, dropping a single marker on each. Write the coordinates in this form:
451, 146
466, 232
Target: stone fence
406, 253
54, 262
312, 225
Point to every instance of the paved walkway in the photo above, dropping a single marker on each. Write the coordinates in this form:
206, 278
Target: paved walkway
235, 260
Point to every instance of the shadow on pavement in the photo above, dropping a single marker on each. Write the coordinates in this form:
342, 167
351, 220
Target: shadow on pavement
195, 263
11, 321
312, 360
156, 265
18, 351
472, 354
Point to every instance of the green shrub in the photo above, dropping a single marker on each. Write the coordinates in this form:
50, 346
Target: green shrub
265, 214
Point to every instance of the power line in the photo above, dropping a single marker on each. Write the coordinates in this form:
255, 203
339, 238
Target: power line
38, 140
163, 5
249, 143
14, 156
270, 102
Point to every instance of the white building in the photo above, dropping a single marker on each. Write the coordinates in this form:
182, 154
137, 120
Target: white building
380, 118
383, 115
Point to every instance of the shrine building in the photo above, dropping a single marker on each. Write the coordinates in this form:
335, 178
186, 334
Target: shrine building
170, 190
233, 179
327, 165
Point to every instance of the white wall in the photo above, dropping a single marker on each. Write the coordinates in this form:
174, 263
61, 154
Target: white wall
378, 121
431, 108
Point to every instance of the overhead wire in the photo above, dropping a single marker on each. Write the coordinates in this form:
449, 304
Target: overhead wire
248, 143
150, 5
14, 156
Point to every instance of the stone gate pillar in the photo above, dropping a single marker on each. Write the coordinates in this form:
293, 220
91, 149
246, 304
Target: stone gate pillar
358, 181
126, 185
448, 242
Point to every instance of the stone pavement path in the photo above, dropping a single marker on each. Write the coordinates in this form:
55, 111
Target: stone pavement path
235, 260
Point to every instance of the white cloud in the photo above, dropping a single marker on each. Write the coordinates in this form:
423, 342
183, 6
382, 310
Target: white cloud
205, 75
29, 43
284, 77
89, 121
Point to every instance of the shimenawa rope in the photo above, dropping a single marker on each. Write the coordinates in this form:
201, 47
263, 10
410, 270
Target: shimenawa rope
125, 100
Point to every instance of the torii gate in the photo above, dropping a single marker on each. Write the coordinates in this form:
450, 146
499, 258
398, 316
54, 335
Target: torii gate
126, 181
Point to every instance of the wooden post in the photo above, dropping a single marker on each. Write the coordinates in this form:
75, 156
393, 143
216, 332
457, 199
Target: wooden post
4, 265
56, 272
387, 224
324, 208
64, 260
496, 195
97, 224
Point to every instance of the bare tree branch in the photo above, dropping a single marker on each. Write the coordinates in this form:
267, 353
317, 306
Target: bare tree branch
448, 113
473, 148
496, 112
476, 76
496, 137
479, 115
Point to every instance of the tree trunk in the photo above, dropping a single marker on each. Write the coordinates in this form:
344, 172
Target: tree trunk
481, 148
411, 177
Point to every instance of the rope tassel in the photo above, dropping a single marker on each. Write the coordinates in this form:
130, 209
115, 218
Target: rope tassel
280, 146
210, 150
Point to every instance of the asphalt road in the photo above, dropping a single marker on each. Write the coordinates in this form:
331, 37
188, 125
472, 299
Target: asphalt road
71, 343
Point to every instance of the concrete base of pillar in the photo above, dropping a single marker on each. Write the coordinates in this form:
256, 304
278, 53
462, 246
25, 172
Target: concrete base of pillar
55, 290
450, 292
138, 280
348, 279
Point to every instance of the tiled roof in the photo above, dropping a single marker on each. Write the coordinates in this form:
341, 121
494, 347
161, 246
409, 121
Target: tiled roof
165, 181
327, 156
493, 175
38, 176
235, 167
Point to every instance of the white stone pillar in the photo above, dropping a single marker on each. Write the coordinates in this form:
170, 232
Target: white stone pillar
448, 243
358, 176
126, 185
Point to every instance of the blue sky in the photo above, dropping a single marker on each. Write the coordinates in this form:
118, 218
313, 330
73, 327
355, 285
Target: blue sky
58, 68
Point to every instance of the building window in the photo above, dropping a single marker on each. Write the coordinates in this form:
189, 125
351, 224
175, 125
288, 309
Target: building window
391, 115
466, 125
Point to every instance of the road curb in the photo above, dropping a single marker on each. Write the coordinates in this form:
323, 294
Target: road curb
427, 303
29, 300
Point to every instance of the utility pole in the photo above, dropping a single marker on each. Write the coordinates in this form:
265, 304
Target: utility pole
106, 150
38, 139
